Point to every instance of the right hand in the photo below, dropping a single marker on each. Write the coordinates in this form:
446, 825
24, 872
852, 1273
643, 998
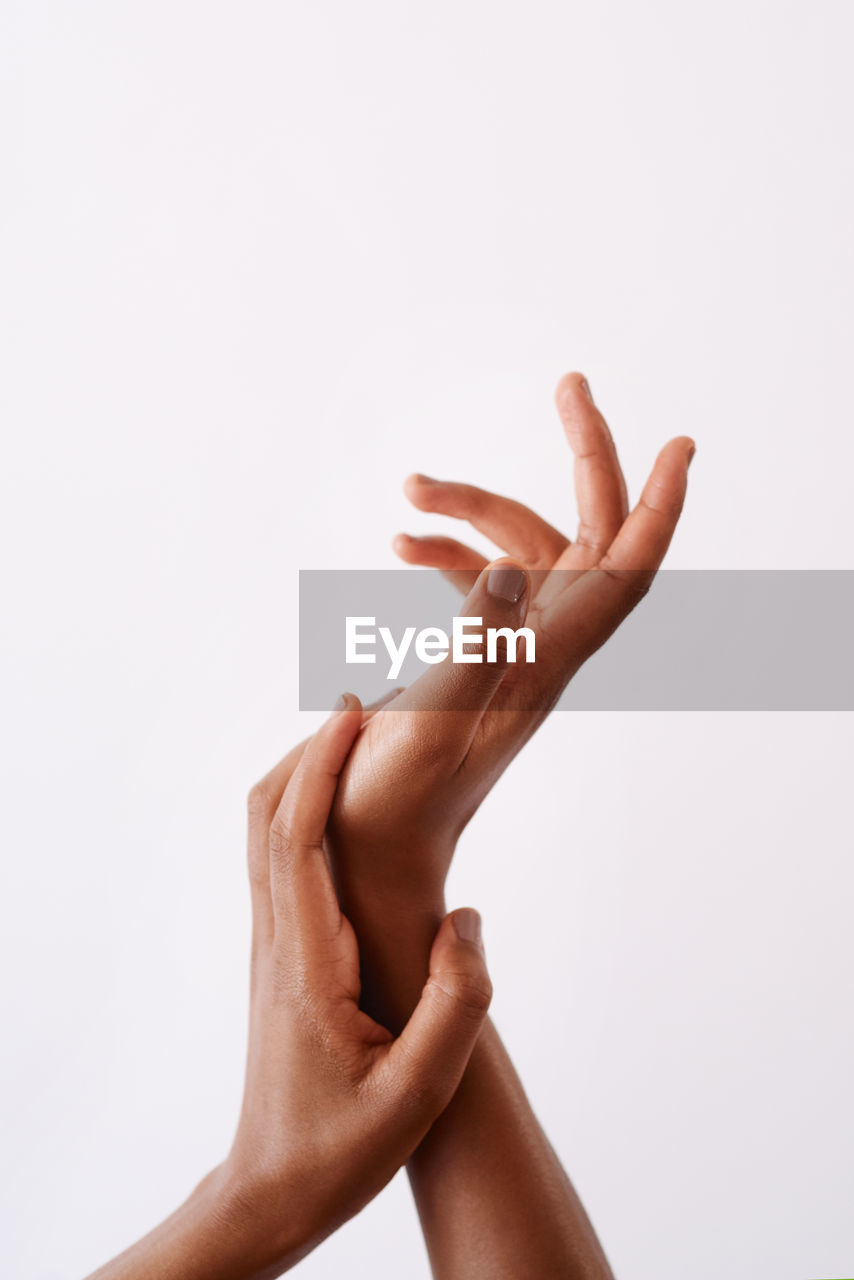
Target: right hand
424, 763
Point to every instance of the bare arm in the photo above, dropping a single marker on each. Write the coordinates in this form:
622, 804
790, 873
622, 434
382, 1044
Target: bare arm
494, 1200
333, 1103
492, 1196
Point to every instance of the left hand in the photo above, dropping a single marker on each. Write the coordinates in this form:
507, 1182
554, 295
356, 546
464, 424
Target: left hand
333, 1104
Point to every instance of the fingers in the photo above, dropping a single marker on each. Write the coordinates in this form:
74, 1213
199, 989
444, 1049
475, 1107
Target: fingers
304, 808
645, 536
264, 800
303, 898
499, 600
424, 1065
581, 618
458, 563
510, 525
600, 489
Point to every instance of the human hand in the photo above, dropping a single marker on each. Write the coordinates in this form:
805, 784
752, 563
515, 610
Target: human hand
333, 1104
423, 767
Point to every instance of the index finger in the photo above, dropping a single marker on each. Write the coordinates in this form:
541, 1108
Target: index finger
299, 876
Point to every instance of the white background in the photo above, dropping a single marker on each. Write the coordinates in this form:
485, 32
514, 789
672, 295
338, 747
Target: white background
261, 260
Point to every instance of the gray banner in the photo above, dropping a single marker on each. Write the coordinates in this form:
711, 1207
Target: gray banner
709, 640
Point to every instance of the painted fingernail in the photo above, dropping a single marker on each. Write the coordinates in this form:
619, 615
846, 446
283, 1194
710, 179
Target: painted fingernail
507, 583
585, 387
467, 924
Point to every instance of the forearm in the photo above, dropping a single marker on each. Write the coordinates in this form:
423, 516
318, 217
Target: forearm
211, 1236
493, 1198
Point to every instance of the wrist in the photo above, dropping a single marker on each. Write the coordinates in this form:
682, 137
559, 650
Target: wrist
216, 1234
407, 877
392, 892
262, 1221
395, 932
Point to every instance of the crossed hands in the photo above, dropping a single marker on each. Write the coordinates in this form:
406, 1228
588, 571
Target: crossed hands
369, 1004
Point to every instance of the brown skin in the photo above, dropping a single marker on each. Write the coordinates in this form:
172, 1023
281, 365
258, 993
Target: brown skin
314, 1141
422, 775
333, 1103
421, 768
492, 1197
493, 1200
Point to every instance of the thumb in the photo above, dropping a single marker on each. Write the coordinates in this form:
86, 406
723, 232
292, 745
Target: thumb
498, 600
426, 1062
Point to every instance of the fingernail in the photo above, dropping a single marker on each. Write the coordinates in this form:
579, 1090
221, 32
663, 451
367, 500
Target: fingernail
422, 479
691, 451
585, 387
341, 703
507, 583
467, 924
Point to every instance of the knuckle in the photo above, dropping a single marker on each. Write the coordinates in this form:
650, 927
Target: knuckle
661, 502
592, 539
420, 1091
471, 993
281, 842
260, 803
475, 995
634, 583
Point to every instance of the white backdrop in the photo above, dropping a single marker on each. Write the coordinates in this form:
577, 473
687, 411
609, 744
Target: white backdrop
260, 261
